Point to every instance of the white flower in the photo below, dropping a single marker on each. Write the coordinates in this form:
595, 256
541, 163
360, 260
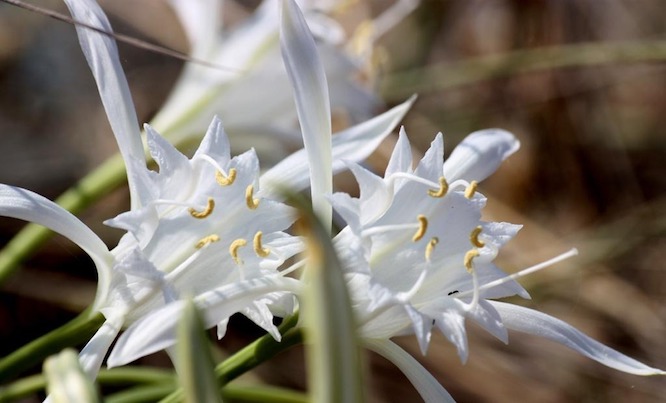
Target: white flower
204, 227
251, 52
322, 156
418, 256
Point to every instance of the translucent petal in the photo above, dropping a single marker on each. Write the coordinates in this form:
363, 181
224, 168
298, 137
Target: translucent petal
95, 350
430, 390
401, 158
102, 56
29, 206
201, 22
480, 154
157, 330
430, 166
308, 79
539, 324
353, 144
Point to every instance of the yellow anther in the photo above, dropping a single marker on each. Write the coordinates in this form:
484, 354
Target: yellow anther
205, 212
207, 240
233, 249
423, 227
430, 247
469, 256
443, 188
474, 237
251, 202
258, 249
226, 180
471, 189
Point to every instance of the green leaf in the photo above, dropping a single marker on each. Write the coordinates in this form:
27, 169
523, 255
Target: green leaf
194, 359
65, 380
334, 363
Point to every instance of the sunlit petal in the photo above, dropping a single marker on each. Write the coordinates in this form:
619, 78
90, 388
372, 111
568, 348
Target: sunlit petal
539, 324
102, 56
428, 387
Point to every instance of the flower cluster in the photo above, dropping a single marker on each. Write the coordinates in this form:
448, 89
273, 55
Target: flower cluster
415, 253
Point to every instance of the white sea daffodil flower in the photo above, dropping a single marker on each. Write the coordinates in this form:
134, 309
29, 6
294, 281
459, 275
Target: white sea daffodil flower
204, 227
322, 156
250, 55
417, 255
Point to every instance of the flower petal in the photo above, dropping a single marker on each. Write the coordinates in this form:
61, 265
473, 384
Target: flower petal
157, 330
352, 144
401, 158
539, 324
307, 76
201, 22
93, 353
428, 387
480, 154
102, 56
29, 206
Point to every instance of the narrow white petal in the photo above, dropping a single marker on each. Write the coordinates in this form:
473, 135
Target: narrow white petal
307, 76
430, 390
480, 154
539, 324
353, 144
93, 353
201, 22
401, 158
430, 165
102, 56
29, 206
157, 330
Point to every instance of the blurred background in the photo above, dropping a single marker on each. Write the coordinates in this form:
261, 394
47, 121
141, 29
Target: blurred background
581, 83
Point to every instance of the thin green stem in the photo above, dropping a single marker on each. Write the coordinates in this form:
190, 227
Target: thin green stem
141, 393
251, 356
128, 375
22, 388
74, 332
444, 76
260, 394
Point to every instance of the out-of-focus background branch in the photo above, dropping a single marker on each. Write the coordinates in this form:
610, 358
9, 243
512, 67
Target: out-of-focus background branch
581, 84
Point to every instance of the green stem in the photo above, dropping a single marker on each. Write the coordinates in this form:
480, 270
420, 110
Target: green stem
98, 183
259, 394
22, 388
230, 393
251, 356
74, 332
141, 393
116, 376
443, 76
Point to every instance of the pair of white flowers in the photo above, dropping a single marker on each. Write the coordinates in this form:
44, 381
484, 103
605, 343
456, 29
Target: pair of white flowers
415, 252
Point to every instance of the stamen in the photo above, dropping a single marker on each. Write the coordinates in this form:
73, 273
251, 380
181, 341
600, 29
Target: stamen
474, 237
525, 272
430, 247
206, 212
258, 249
251, 202
469, 257
293, 267
233, 249
227, 180
423, 227
207, 240
471, 189
443, 188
